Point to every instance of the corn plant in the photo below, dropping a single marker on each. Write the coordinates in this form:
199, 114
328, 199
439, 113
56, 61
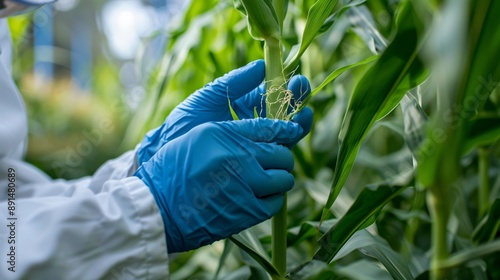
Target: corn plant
400, 177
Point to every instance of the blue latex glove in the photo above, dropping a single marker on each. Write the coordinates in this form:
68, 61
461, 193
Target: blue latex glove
242, 86
220, 178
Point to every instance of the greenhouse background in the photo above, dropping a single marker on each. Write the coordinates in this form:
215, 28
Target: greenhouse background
97, 75
74, 59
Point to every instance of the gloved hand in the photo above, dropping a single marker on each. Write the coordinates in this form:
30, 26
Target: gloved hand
245, 90
220, 178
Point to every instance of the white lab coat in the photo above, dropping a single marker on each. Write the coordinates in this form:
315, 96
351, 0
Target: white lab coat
102, 227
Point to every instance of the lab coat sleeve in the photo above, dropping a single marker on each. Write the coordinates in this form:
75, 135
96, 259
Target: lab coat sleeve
102, 227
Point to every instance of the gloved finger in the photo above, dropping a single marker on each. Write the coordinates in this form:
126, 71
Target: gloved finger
265, 130
270, 182
273, 156
244, 106
305, 119
300, 87
233, 85
272, 204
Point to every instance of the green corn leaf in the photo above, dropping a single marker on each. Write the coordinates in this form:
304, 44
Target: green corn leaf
364, 26
262, 19
414, 75
227, 250
376, 94
363, 270
331, 19
378, 248
255, 114
482, 131
414, 119
250, 244
484, 72
280, 6
361, 214
307, 230
233, 113
314, 270
239, 6
489, 227
339, 72
316, 16
241, 273
464, 90
360, 270
463, 257
334, 75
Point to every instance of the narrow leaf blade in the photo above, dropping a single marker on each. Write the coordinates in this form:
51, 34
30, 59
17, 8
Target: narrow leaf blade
366, 206
482, 131
465, 256
488, 230
233, 113
227, 250
376, 93
317, 15
331, 19
378, 248
252, 246
339, 71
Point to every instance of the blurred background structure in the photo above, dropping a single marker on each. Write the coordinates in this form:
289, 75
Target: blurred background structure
81, 66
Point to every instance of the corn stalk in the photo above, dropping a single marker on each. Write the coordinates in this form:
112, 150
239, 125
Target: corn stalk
265, 22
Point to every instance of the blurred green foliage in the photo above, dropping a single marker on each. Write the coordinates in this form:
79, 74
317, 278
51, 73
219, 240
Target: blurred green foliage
393, 237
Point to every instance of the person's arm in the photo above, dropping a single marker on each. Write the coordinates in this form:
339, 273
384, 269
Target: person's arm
94, 228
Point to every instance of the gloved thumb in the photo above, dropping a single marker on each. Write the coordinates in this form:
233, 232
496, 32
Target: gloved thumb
305, 119
266, 130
